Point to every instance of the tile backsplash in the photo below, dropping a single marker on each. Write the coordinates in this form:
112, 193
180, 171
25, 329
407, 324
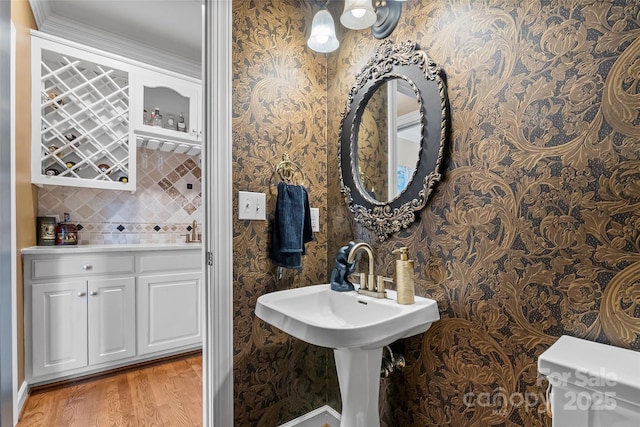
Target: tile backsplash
167, 200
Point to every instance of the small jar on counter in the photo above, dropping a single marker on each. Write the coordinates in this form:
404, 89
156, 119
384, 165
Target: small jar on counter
66, 233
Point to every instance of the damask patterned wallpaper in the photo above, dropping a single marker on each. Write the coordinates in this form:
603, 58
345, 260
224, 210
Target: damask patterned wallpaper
535, 230
533, 233
279, 106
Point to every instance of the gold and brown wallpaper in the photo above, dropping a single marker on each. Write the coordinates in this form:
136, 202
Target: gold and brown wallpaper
279, 106
533, 233
535, 230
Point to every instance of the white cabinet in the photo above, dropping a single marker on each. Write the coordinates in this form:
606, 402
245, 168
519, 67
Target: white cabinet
59, 325
169, 303
169, 311
88, 310
178, 100
80, 118
111, 312
88, 114
80, 323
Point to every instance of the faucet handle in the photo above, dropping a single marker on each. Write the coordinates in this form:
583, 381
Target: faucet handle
363, 280
358, 279
380, 282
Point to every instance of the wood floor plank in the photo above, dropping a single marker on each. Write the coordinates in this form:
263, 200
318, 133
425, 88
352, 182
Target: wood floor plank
167, 394
183, 385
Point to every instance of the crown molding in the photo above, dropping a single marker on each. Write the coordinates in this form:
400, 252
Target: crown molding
49, 22
41, 10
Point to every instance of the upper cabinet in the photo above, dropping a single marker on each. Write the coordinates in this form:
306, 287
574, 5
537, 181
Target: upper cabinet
81, 134
91, 108
166, 112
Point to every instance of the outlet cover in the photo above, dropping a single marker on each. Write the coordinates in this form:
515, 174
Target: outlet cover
252, 206
315, 219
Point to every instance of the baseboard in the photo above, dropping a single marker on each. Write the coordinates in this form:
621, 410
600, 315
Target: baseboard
23, 393
324, 416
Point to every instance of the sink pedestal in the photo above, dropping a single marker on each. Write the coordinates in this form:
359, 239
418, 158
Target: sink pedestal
349, 323
359, 379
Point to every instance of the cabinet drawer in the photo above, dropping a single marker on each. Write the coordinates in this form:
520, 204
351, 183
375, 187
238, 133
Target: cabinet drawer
171, 261
81, 265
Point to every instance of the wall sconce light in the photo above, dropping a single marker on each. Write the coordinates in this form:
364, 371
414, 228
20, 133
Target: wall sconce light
323, 33
357, 15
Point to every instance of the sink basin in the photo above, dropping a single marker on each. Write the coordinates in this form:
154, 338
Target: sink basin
357, 327
326, 318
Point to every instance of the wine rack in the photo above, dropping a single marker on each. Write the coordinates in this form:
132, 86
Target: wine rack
81, 130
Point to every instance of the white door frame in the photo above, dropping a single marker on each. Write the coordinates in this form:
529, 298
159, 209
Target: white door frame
14, 250
7, 246
218, 223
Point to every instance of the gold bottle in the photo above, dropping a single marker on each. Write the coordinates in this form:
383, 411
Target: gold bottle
404, 277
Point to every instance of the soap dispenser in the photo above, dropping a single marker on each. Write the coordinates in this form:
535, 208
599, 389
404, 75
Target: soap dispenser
404, 277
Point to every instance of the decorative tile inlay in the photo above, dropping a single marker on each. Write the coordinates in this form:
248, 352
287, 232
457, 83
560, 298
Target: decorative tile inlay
157, 212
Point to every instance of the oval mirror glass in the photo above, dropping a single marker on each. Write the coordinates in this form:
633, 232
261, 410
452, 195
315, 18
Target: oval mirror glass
388, 144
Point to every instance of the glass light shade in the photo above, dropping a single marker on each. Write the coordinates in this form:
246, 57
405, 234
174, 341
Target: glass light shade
358, 14
323, 33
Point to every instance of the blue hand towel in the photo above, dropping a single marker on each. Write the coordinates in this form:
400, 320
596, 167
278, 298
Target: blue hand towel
291, 227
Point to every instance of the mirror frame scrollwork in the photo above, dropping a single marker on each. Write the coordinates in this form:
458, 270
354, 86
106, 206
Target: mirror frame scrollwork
396, 61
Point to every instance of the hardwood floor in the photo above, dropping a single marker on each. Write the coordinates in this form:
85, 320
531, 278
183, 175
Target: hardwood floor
168, 394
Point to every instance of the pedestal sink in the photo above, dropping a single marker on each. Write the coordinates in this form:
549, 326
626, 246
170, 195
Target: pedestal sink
357, 327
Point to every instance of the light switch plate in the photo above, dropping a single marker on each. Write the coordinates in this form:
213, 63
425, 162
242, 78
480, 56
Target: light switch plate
252, 206
315, 219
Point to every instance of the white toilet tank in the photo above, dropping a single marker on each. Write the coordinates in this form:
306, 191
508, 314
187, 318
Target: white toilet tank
592, 384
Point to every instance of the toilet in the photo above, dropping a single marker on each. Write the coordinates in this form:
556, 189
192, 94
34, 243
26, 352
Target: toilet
591, 384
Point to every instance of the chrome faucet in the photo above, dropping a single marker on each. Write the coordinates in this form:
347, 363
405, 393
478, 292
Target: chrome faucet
370, 284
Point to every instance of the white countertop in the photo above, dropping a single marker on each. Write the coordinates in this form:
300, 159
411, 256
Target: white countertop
77, 249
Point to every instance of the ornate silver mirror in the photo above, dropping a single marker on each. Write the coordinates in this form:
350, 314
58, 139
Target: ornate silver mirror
392, 137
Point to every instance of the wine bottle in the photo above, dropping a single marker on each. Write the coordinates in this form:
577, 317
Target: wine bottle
157, 121
181, 125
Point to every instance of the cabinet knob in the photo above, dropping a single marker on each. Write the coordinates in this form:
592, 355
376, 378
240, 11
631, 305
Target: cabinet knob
81, 294
93, 293
87, 266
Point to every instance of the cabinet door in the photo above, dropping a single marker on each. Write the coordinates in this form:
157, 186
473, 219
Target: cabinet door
169, 311
59, 327
111, 319
172, 96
